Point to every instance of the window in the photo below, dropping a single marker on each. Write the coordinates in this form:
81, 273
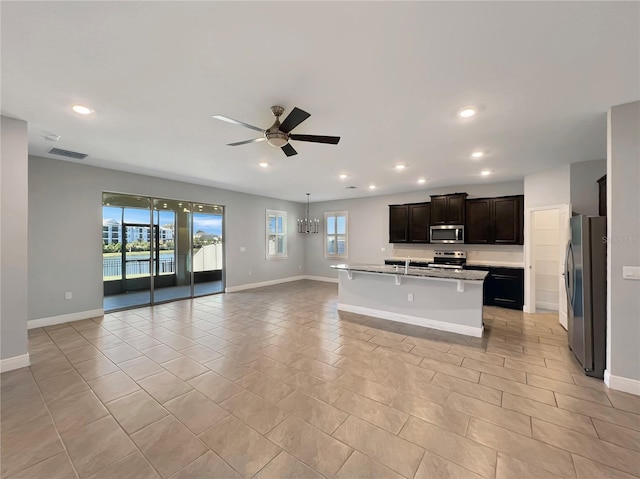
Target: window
335, 239
276, 234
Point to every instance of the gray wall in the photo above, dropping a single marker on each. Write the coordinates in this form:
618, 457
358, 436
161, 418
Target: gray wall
13, 238
369, 226
65, 236
623, 248
584, 186
547, 188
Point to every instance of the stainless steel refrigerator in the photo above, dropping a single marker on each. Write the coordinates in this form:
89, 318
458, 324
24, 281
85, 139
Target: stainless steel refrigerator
586, 285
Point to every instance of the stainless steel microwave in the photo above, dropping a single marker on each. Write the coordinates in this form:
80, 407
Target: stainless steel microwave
447, 234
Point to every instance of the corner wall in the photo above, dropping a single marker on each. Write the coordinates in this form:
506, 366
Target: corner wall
65, 232
13, 244
623, 247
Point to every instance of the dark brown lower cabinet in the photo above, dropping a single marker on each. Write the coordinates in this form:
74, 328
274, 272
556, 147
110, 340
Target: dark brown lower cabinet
503, 287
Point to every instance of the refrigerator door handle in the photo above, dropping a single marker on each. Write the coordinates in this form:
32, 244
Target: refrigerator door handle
569, 277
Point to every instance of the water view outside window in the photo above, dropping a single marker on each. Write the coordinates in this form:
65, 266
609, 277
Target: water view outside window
158, 250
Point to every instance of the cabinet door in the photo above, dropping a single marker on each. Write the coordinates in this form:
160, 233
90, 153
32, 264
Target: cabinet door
438, 210
398, 221
455, 209
507, 288
602, 198
419, 215
478, 229
508, 216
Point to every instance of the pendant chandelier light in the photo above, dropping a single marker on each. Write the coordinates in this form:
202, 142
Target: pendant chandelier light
308, 225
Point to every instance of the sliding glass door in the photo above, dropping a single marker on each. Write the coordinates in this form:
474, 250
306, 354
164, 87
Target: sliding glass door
207, 249
157, 250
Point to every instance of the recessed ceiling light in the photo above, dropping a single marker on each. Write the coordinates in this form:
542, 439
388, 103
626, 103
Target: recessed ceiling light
263, 164
477, 154
82, 110
485, 172
372, 187
400, 167
422, 180
342, 176
467, 112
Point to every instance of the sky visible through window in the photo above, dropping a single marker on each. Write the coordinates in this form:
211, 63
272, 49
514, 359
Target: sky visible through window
207, 222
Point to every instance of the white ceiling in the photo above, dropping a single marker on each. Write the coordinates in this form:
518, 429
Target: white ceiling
387, 77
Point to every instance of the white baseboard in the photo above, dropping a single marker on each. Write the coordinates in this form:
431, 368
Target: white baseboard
242, 287
631, 386
547, 306
16, 362
64, 318
403, 318
322, 278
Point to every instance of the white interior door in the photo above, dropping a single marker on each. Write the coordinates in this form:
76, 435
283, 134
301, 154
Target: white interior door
564, 239
546, 264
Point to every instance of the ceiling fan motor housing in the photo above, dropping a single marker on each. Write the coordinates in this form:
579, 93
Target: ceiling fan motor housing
274, 136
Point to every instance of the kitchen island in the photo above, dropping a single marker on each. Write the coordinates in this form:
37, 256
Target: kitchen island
449, 300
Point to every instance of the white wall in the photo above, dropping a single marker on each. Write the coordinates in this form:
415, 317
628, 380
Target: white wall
623, 247
13, 243
545, 188
584, 186
369, 229
65, 236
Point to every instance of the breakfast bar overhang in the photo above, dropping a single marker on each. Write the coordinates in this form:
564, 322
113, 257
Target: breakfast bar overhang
444, 300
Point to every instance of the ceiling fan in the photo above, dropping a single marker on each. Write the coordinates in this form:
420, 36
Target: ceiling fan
279, 134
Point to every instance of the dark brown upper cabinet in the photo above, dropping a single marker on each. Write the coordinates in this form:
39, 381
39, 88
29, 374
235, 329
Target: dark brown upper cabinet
419, 221
409, 223
398, 223
448, 209
602, 196
478, 227
495, 220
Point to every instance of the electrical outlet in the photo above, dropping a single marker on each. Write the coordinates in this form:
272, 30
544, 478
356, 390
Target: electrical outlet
68, 295
383, 249
410, 297
299, 266
242, 249
249, 272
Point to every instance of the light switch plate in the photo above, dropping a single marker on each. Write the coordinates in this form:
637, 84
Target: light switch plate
631, 272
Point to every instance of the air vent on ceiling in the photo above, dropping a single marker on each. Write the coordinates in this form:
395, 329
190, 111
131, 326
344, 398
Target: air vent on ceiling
350, 187
68, 154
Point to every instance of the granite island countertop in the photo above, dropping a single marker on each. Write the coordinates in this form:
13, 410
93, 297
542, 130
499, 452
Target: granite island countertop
414, 271
472, 262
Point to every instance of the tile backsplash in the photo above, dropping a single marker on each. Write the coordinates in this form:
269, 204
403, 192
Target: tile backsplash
480, 254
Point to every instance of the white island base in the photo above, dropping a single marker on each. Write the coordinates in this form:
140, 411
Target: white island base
446, 304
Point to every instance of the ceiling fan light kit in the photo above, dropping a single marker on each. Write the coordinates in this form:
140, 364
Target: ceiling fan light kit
279, 134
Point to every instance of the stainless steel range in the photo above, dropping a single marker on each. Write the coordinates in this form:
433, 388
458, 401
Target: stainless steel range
449, 260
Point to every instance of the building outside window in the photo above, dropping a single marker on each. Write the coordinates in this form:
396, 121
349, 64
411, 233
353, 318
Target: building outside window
335, 238
276, 234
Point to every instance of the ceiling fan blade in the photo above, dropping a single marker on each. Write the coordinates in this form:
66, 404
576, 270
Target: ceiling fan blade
296, 117
255, 140
236, 122
289, 150
333, 140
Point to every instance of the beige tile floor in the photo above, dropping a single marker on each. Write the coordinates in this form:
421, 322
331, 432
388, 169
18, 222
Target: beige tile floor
275, 383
